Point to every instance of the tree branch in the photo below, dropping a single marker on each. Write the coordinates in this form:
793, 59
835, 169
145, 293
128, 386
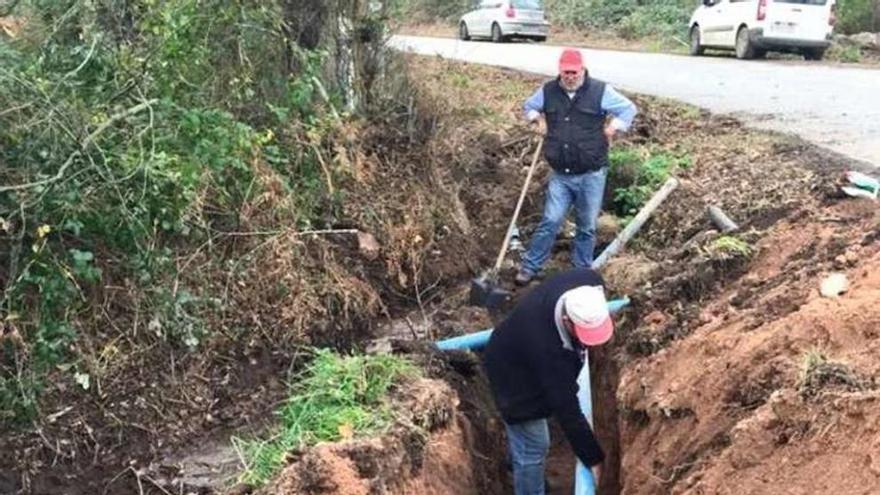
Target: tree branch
9, 8
83, 147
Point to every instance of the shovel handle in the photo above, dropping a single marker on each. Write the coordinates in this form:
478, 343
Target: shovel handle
522, 196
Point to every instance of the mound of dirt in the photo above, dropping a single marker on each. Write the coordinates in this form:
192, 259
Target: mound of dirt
437, 445
732, 407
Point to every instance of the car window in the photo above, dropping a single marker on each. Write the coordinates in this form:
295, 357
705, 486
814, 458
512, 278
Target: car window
803, 2
528, 4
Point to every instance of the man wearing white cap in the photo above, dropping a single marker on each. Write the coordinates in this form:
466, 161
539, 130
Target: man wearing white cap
533, 360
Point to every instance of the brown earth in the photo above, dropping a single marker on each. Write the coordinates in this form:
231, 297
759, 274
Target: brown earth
732, 407
706, 388
433, 450
666, 424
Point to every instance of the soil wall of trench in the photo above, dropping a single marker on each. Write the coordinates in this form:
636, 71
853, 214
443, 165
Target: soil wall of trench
730, 373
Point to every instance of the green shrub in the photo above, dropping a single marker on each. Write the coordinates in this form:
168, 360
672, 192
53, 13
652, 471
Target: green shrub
844, 53
662, 20
589, 14
635, 174
123, 143
856, 16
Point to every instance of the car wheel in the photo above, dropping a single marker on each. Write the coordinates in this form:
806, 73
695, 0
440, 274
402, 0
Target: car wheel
497, 35
814, 53
695, 47
744, 48
463, 32
540, 39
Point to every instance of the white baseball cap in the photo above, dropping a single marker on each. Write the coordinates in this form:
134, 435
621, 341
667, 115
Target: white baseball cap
587, 309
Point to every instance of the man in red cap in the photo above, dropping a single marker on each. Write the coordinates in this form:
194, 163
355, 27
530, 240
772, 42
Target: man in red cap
580, 116
533, 360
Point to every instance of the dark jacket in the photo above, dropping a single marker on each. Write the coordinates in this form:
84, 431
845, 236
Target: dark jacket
531, 374
575, 141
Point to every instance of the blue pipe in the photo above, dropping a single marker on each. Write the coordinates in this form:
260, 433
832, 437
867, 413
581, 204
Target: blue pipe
478, 340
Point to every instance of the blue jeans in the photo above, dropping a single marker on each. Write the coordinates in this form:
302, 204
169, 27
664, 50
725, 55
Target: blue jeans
529, 443
585, 192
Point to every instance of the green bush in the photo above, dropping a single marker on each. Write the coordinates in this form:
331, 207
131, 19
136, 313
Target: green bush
635, 174
856, 16
589, 13
844, 53
662, 20
123, 142
431, 10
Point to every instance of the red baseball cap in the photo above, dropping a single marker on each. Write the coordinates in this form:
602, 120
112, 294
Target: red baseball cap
571, 60
587, 309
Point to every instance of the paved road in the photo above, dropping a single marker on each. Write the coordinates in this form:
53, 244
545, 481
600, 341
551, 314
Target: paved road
835, 107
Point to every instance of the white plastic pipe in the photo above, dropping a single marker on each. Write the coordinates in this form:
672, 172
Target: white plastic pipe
633, 227
584, 484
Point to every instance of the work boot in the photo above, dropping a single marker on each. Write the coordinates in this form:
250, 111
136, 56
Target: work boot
515, 244
523, 277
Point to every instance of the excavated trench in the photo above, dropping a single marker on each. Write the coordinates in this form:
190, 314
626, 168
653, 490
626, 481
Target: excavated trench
686, 289
702, 382
449, 439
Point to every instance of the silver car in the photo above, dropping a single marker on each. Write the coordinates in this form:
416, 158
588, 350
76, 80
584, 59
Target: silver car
500, 20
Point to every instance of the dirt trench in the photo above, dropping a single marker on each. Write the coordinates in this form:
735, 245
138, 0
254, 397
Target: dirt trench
704, 388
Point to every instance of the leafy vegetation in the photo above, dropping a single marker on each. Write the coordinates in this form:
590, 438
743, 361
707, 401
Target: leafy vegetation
844, 53
132, 136
636, 173
336, 398
855, 16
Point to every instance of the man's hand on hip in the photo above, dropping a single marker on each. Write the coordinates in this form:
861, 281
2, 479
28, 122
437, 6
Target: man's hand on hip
597, 470
538, 126
610, 132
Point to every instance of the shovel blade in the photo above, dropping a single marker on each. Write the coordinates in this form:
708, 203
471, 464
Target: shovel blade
485, 293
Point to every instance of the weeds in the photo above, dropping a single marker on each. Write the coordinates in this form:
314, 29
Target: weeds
336, 398
844, 53
728, 247
126, 146
818, 372
636, 173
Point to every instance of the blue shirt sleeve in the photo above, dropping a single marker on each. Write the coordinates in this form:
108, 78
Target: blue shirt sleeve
535, 103
623, 110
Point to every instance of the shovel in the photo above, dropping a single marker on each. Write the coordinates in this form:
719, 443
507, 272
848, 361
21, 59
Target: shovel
484, 290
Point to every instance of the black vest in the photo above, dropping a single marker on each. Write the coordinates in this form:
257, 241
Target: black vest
575, 141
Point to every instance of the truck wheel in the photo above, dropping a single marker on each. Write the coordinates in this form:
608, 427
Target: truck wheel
463, 32
497, 35
745, 50
814, 53
695, 47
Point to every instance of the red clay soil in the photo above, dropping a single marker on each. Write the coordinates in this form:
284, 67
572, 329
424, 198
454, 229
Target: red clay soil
434, 449
733, 407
